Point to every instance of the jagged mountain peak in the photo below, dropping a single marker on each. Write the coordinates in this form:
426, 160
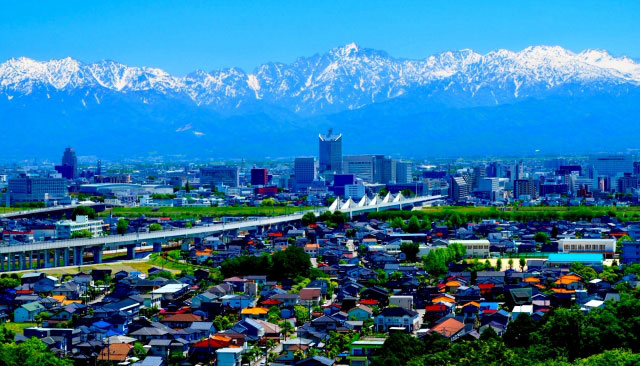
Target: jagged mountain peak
346, 77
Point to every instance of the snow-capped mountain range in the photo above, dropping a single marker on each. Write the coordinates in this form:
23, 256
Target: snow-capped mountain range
345, 78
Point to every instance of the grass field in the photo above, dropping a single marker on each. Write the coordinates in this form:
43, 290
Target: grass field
13, 209
18, 328
129, 266
178, 213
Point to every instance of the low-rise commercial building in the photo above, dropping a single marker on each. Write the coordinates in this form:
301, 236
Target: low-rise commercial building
66, 228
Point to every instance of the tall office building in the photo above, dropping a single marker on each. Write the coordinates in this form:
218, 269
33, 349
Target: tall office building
305, 170
330, 147
371, 168
459, 188
99, 168
404, 172
524, 187
259, 177
36, 189
362, 166
479, 173
517, 171
384, 169
215, 175
611, 165
69, 167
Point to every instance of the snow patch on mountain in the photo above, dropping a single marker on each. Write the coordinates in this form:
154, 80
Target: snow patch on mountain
348, 77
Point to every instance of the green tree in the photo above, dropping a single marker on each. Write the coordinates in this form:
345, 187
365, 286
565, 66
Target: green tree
407, 193
81, 234
410, 251
397, 223
302, 314
155, 227
309, 218
541, 237
510, 262
222, 322
122, 226
290, 263
138, 350
269, 202
83, 211
489, 333
583, 271
398, 349
413, 226
523, 263
519, 332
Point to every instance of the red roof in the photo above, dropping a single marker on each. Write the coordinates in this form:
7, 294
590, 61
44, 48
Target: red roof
368, 302
275, 234
17, 233
215, 342
435, 308
183, 318
271, 302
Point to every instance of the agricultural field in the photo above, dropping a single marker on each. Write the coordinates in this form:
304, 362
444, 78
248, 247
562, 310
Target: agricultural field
180, 213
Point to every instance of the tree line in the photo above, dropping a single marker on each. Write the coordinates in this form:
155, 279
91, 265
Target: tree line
287, 264
457, 219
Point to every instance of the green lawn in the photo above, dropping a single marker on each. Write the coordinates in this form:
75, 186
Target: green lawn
14, 209
178, 213
130, 266
18, 328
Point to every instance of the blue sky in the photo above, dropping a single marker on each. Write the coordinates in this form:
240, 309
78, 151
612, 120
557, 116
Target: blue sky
181, 36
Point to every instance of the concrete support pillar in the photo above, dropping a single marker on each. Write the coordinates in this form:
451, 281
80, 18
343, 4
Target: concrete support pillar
21, 264
10, 258
157, 247
56, 258
131, 251
78, 252
47, 259
2, 263
66, 256
97, 255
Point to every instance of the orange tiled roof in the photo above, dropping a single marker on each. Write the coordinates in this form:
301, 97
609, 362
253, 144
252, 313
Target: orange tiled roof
255, 311
472, 303
59, 298
443, 299
563, 291
448, 327
115, 352
453, 284
531, 280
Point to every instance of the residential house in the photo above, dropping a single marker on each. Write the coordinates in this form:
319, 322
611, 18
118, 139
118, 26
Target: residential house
398, 317
27, 312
